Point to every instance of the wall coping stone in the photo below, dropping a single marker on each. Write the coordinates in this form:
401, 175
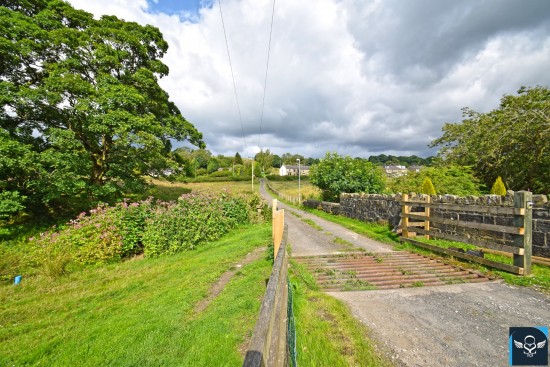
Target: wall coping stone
539, 200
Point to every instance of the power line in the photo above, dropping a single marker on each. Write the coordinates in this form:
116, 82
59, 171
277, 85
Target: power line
266, 70
232, 75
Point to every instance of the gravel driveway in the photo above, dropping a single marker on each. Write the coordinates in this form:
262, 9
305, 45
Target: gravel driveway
451, 325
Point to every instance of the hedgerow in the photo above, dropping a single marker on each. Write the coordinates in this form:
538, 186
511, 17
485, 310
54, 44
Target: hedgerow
109, 234
194, 219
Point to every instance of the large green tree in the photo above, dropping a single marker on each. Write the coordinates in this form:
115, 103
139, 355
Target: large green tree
80, 99
202, 157
511, 141
336, 174
264, 159
238, 159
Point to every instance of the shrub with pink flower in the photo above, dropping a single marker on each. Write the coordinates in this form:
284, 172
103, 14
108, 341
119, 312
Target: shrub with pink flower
111, 233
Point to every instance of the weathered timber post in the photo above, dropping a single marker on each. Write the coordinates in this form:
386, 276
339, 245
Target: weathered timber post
427, 214
523, 219
278, 227
405, 210
273, 211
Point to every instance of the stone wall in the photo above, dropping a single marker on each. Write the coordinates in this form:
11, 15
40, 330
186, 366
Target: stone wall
331, 208
386, 209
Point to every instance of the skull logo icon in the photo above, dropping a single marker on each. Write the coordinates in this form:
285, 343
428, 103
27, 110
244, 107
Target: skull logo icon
530, 345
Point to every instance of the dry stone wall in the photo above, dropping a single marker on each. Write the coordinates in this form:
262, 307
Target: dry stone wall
386, 209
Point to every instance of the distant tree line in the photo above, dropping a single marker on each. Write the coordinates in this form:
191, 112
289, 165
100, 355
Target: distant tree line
392, 160
196, 163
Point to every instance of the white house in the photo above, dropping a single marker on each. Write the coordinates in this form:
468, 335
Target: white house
290, 170
395, 171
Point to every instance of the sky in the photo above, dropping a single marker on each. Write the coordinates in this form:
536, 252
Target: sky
357, 77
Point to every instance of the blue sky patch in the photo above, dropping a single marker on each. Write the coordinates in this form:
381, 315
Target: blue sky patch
187, 8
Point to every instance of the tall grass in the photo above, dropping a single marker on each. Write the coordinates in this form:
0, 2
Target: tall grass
290, 188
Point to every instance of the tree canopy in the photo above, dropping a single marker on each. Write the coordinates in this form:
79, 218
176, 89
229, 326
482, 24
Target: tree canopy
82, 112
264, 159
510, 141
452, 180
336, 174
383, 159
238, 159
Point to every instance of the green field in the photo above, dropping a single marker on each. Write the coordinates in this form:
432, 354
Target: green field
166, 190
290, 188
140, 312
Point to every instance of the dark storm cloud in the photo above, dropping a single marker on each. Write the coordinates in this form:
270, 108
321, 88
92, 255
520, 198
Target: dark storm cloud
431, 36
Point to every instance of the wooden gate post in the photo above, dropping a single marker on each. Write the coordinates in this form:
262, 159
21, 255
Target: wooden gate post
273, 211
427, 214
405, 209
523, 200
278, 228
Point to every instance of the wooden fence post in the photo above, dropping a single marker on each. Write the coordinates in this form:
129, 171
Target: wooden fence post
427, 214
273, 211
405, 209
278, 228
523, 200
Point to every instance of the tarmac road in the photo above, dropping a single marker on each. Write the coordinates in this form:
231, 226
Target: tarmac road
452, 325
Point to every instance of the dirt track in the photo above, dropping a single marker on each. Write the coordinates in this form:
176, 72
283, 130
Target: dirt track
451, 325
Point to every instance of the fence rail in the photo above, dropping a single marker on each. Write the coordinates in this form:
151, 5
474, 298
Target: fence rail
269, 343
521, 229
280, 195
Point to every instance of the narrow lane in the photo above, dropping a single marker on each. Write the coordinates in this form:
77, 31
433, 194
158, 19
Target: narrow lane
308, 241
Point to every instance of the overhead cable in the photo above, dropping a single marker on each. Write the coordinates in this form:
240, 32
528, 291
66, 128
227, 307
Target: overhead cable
266, 71
232, 74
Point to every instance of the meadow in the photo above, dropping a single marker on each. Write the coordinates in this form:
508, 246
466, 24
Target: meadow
290, 188
167, 190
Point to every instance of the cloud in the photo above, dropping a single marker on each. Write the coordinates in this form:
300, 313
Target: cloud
353, 76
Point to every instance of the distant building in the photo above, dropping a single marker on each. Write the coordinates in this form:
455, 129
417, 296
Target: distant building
287, 170
395, 171
415, 168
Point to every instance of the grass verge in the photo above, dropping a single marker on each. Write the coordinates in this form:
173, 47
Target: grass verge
327, 332
139, 312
